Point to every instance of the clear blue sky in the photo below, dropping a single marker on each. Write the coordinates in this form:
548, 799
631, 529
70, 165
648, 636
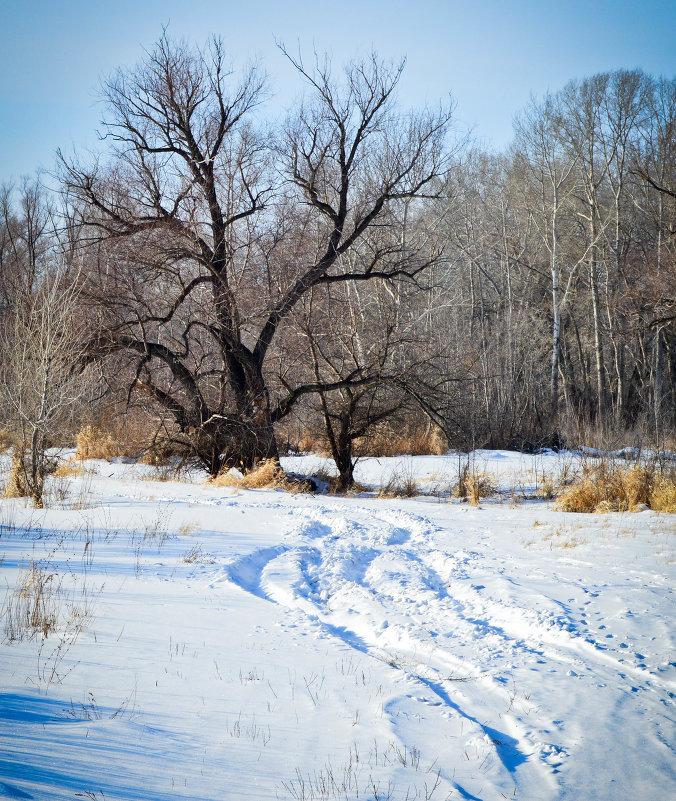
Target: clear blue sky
489, 54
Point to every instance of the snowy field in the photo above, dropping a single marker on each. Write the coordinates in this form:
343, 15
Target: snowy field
217, 644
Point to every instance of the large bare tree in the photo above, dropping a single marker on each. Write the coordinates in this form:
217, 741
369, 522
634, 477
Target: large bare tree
208, 234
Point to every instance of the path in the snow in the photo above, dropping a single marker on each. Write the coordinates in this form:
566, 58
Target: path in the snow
504, 659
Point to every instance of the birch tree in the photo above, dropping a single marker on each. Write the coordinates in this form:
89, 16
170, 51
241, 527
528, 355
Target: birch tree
542, 154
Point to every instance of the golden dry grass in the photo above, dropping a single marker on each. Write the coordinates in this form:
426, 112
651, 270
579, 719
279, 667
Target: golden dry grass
31, 608
663, 494
95, 443
607, 488
479, 486
125, 435
69, 468
547, 489
473, 486
385, 441
316, 445
16, 486
266, 475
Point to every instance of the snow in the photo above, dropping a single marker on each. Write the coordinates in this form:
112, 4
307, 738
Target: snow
229, 644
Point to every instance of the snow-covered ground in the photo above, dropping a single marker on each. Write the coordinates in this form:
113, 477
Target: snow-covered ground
220, 644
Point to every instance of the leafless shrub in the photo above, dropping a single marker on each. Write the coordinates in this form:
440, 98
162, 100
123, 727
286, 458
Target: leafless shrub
44, 380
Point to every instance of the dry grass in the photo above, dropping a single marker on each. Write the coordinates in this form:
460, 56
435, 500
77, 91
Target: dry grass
69, 468
564, 538
16, 485
187, 528
608, 488
402, 483
266, 475
33, 606
126, 435
96, 443
473, 486
663, 494
174, 468
386, 441
548, 489
479, 486
159, 454
317, 445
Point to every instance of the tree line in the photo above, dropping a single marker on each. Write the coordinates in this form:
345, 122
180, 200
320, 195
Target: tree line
355, 270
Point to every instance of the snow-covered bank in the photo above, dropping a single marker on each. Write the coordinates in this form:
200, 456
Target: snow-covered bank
259, 645
509, 471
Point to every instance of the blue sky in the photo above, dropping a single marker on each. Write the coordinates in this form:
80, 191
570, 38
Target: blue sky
489, 55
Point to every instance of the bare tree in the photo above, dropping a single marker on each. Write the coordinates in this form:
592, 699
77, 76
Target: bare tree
200, 263
43, 378
542, 154
27, 233
361, 361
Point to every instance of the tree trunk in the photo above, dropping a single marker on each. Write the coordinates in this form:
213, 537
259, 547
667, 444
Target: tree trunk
596, 316
343, 459
556, 322
658, 385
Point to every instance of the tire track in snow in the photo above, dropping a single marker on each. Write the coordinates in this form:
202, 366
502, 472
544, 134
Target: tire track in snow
373, 584
246, 571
